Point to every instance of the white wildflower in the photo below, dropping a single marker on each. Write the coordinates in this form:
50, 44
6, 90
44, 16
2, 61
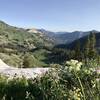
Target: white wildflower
74, 65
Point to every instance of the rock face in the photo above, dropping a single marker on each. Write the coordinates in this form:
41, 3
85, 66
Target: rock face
3, 65
21, 72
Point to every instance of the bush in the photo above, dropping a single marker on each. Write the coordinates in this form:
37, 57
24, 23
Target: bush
72, 81
28, 61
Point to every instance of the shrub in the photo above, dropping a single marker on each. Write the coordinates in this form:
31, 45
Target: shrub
72, 81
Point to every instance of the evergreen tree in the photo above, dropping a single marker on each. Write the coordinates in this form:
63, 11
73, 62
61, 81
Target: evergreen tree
86, 47
89, 47
77, 50
92, 49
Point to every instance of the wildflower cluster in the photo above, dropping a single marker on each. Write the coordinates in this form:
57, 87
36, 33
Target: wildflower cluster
75, 94
74, 65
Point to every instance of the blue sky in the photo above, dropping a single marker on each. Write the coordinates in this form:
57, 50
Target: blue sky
54, 15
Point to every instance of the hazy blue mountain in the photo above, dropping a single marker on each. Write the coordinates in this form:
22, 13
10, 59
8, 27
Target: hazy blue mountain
82, 40
64, 37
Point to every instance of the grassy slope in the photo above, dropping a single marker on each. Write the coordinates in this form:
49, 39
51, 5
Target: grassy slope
15, 42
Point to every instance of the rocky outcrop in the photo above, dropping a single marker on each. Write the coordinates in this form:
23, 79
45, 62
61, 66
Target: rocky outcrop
12, 72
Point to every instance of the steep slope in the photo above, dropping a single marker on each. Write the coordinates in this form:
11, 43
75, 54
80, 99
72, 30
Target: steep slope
9, 34
47, 35
16, 42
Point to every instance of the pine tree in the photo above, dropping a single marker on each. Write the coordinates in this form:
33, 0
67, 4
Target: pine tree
86, 47
92, 49
89, 47
77, 50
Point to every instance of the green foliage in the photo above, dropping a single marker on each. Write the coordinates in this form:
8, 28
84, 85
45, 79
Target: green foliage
28, 61
41, 57
89, 47
87, 50
11, 59
77, 50
72, 81
86, 47
59, 55
37, 58
17, 41
82, 77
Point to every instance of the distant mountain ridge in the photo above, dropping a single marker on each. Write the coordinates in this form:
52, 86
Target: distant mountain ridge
82, 41
62, 37
54, 38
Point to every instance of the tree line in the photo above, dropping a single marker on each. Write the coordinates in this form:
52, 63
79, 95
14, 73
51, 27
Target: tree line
83, 50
